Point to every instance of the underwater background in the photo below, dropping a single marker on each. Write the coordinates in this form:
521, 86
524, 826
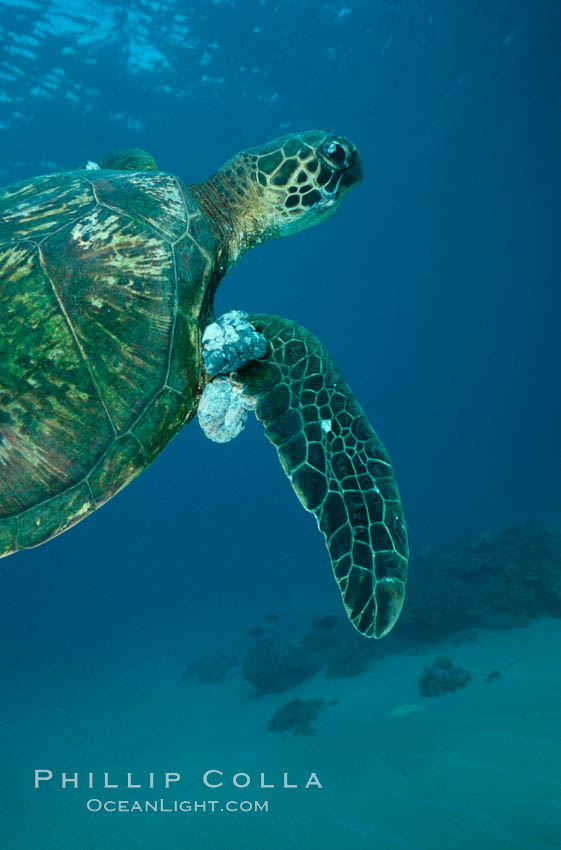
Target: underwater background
125, 642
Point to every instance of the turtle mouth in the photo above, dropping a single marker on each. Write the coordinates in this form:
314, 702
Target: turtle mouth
342, 182
352, 175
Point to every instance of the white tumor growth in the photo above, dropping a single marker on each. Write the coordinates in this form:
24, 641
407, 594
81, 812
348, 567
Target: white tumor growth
230, 343
223, 410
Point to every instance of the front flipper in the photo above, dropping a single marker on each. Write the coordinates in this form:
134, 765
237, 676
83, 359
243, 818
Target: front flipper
338, 467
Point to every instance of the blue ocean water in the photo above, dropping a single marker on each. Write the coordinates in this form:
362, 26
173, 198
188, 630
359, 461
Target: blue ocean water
436, 289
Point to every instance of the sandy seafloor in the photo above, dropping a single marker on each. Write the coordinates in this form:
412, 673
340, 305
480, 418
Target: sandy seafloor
480, 767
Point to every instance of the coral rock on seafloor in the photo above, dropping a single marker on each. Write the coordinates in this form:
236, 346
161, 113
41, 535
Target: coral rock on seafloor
442, 677
297, 715
331, 644
340, 649
493, 675
274, 666
497, 581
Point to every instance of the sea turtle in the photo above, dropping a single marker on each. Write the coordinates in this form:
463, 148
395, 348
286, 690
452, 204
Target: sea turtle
107, 279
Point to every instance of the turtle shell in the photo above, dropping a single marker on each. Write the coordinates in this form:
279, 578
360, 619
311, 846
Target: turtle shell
106, 278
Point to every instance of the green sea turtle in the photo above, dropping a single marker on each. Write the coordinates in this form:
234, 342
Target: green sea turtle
108, 344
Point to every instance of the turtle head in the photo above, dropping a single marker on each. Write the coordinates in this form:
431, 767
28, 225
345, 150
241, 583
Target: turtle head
278, 189
301, 179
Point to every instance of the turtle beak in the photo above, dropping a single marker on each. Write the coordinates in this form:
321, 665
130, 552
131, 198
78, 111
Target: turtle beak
352, 175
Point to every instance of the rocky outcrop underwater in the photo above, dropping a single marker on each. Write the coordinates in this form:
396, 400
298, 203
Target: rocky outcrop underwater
485, 581
496, 581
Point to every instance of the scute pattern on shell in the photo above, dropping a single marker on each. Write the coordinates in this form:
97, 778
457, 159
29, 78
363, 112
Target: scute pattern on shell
103, 284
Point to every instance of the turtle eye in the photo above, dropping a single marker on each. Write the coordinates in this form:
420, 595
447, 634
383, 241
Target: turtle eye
335, 153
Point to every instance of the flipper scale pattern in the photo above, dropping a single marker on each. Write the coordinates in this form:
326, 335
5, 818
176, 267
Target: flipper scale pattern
338, 467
